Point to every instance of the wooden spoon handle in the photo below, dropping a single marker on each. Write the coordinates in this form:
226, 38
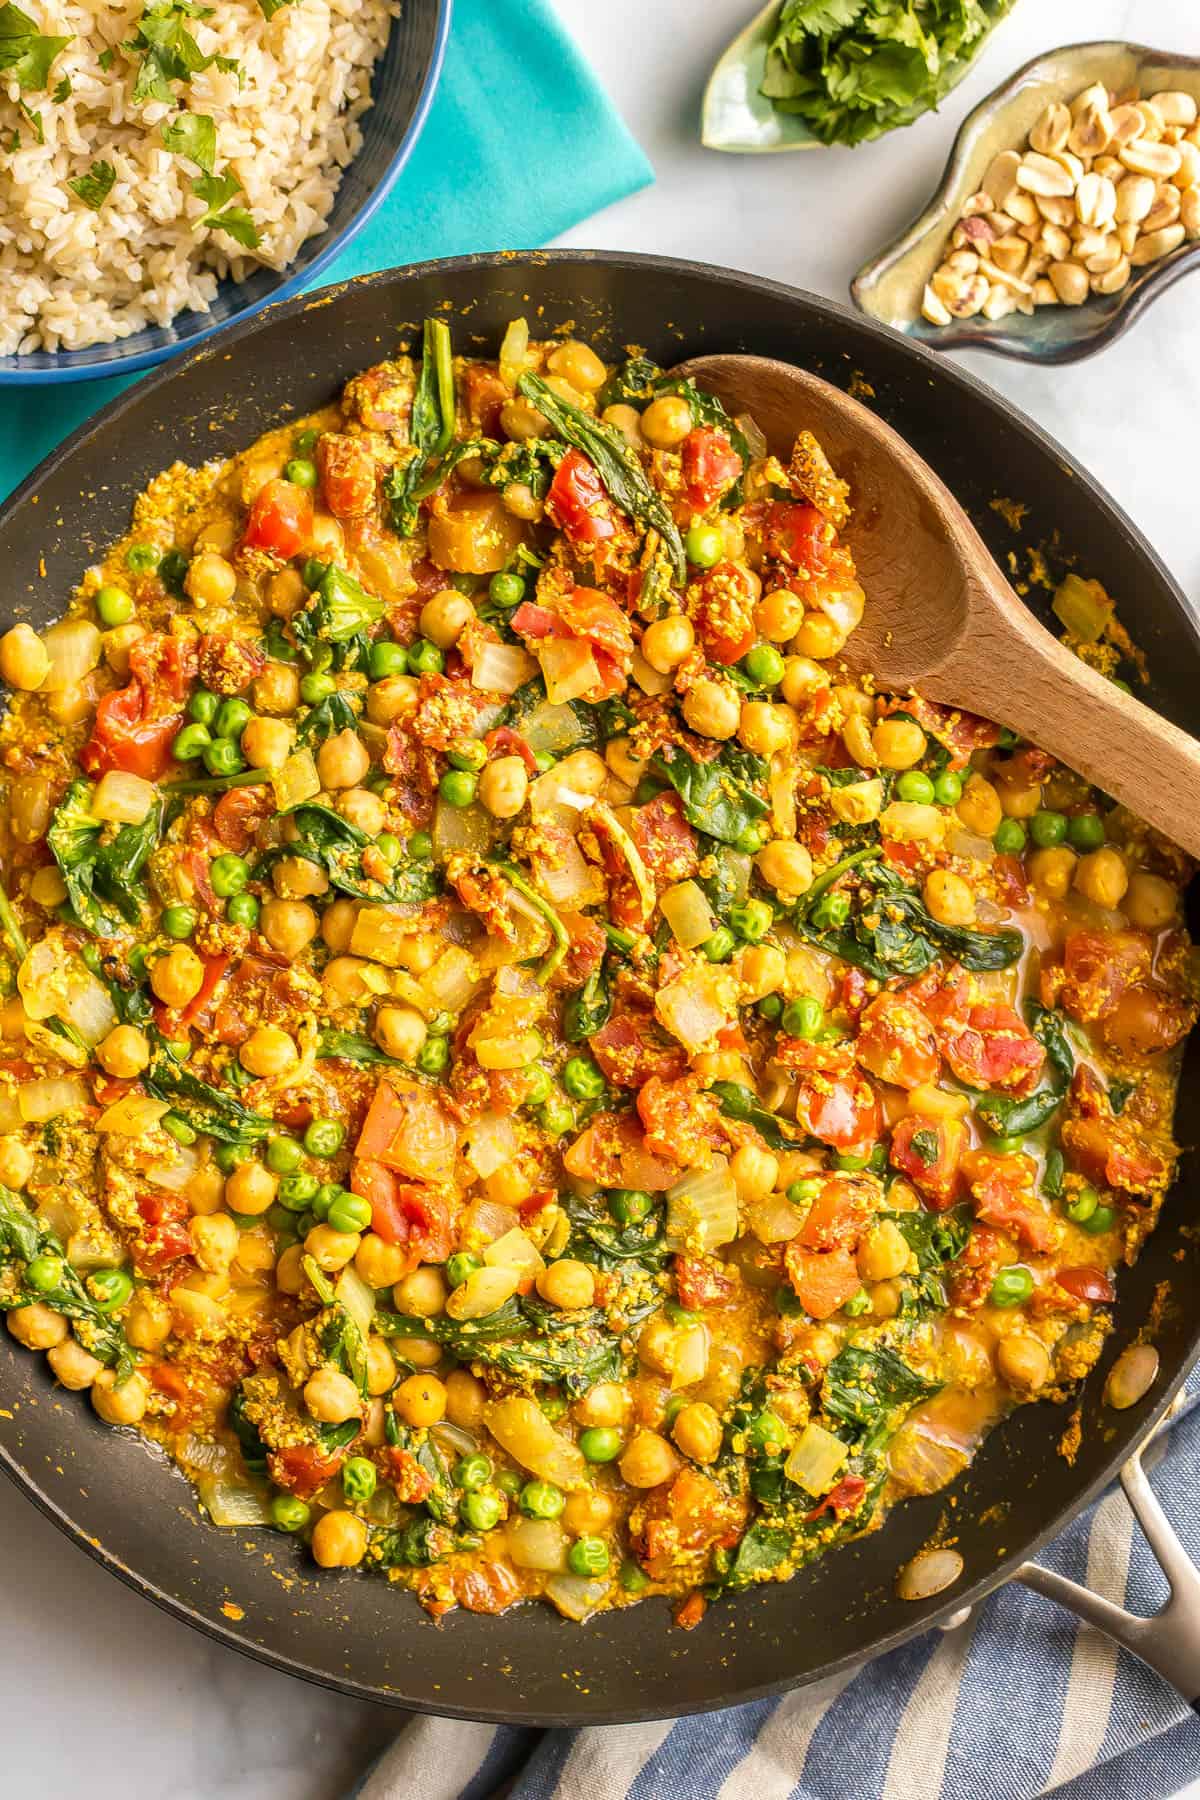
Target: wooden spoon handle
1007, 666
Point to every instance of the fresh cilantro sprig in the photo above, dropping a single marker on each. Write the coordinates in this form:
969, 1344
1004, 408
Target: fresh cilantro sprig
26, 52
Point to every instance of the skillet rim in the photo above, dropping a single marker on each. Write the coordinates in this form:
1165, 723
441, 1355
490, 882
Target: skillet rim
1126, 1435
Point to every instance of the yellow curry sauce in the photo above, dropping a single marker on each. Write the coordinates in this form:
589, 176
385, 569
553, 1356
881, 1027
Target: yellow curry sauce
516, 1068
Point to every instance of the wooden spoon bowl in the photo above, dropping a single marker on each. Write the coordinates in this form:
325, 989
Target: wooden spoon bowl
941, 617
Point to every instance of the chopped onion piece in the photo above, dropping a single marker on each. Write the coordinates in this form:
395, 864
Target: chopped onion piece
514, 1251
206, 1455
702, 1209
575, 1596
88, 1006
815, 1460
783, 796
296, 780
522, 1428
456, 1440
651, 680
487, 1220
929, 1573
689, 1356
178, 1174
232, 1503
501, 668
749, 427
122, 799
10, 1113
962, 842
52, 1096
73, 646
451, 981
568, 668
566, 877
455, 828
357, 1298
695, 1006
688, 913
483, 1292
553, 730
490, 1142
514, 352
537, 1544
773, 1219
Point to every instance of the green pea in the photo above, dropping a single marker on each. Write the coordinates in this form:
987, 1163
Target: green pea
1009, 837
296, 1191
857, 1304
482, 1511
764, 665
673, 1408
433, 1058
542, 1500
203, 707
242, 909
229, 1157
324, 1137
770, 1008
425, 658
629, 1206
582, 1079
141, 558
588, 1556
359, 1478
457, 787
915, 786
471, 757
848, 1164
1011, 1287
44, 1273
539, 1086
326, 1198
316, 687
223, 758
176, 1126
705, 546
600, 1444
1102, 1220
718, 948
554, 1406
473, 1472
350, 1213
284, 1155
305, 442
314, 572
300, 472
831, 911
387, 659
420, 846
751, 840
232, 718
179, 921
1080, 1209
804, 1192
803, 1017
947, 788
460, 1265
753, 920
191, 742
114, 606
290, 1514
633, 1579
556, 1117
1047, 828
229, 874
507, 588
110, 1289
280, 1219
509, 1482
1085, 831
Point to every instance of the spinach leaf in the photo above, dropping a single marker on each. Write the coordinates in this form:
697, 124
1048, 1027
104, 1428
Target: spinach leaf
102, 878
342, 611
616, 463
727, 881
738, 1102
131, 1004
586, 1012
408, 483
763, 1553
1050, 1029
531, 464
1052, 1174
326, 719
12, 927
337, 846
207, 1109
1010, 1116
413, 1546
254, 1450
935, 1238
575, 1354
632, 384
1119, 1093
605, 1245
345, 1046
22, 1239
338, 1334
719, 797
433, 402
892, 932
863, 1388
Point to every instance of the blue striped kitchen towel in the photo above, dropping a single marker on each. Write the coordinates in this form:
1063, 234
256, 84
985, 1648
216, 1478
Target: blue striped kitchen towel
1019, 1700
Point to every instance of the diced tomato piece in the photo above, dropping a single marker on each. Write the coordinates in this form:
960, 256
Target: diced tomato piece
504, 741
199, 1010
413, 1484
896, 1042
665, 841
126, 737
722, 607
408, 1132
490, 1587
943, 995
578, 502
166, 667
822, 1280
586, 950
839, 1214
1147, 1020
969, 1279
280, 521
691, 1611
679, 1117
613, 1152
841, 1500
591, 615
843, 1113
304, 1469
1097, 968
1005, 1194
371, 1181
711, 465
796, 534
534, 621
812, 1056
960, 732
1086, 1284
485, 395
993, 1048
228, 664
689, 1518
239, 813
702, 1281
347, 471
1008, 873
929, 1151
632, 1047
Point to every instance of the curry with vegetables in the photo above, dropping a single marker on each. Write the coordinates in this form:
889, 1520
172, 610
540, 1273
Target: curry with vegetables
519, 1070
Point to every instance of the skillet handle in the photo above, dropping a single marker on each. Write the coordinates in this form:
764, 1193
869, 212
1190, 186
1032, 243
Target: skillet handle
1169, 1641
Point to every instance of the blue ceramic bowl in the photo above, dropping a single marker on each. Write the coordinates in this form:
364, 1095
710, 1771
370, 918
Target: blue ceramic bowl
405, 79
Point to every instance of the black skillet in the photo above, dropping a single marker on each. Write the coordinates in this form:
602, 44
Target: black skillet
257, 1592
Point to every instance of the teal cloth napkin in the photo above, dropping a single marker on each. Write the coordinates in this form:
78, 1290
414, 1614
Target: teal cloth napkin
521, 142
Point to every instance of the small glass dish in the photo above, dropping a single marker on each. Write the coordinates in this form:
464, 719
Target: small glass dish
890, 286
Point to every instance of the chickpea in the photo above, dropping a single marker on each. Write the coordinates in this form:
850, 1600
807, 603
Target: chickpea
608, 1403
1051, 870
331, 1397
761, 969
785, 866
400, 1031
24, 663
124, 1053
628, 421
421, 1400
219, 534
47, 888
712, 707
578, 364
697, 1431
267, 743
1019, 800
206, 1189
16, 1162
392, 698
899, 743
255, 1253
948, 898
883, 1253
339, 1540
295, 878
251, 1188
379, 1263
148, 1321
331, 1249
214, 1242
820, 637
779, 615
979, 808
666, 422
667, 642
885, 1300
178, 976
285, 595
36, 1326
519, 420
276, 690
74, 1366
289, 926
583, 771
567, 1283
381, 1366
587, 1512
445, 616
802, 678
656, 1345
289, 1270
466, 1397
374, 1431
269, 1050
521, 501
754, 1172
1023, 1361
364, 809
764, 728
421, 1294
210, 580
503, 787
342, 760
1150, 902
1102, 877
648, 1461
337, 925
122, 1404
345, 981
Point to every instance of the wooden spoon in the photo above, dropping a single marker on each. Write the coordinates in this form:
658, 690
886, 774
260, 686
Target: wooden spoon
940, 616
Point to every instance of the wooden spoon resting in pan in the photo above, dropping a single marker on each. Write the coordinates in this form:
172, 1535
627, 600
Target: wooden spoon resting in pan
941, 617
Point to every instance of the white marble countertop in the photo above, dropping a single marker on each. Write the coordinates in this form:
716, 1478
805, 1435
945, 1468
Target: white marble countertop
78, 1650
